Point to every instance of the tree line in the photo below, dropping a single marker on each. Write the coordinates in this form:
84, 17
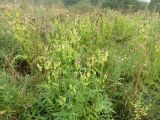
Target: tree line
113, 4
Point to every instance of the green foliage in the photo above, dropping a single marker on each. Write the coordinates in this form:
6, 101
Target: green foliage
122, 4
7, 94
21, 64
154, 5
70, 2
95, 65
94, 2
112, 4
123, 30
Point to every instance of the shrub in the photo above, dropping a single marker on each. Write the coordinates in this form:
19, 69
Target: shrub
74, 91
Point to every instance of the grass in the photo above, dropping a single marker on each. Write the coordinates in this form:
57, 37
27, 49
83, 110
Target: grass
65, 65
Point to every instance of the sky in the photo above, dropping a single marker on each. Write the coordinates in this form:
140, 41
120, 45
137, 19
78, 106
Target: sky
147, 1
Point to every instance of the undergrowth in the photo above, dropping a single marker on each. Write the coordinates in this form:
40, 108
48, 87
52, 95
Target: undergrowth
62, 65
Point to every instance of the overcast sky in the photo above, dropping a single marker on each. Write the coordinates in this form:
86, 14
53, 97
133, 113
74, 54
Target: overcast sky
147, 1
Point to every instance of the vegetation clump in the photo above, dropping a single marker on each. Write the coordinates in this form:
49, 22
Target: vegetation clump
66, 65
22, 65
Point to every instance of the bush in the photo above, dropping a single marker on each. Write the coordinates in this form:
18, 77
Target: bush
74, 91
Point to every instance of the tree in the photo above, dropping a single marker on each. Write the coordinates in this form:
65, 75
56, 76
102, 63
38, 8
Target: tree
70, 2
155, 5
116, 4
94, 2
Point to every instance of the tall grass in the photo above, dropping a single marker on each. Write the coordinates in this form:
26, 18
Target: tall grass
62, 65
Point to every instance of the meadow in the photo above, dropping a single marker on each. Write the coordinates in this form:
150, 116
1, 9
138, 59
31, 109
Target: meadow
97, 64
